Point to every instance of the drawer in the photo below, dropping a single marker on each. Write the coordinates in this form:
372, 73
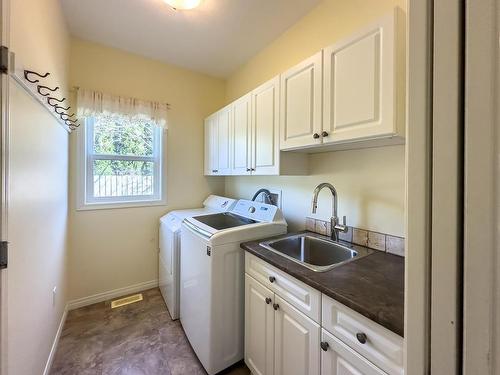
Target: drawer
303, 297
337, 358
382, 347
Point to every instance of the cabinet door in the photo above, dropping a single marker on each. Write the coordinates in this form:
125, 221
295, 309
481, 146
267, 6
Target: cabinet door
301, 103
242, 136
360, 99
211, 148
259, 327
338, 359
224, 140
265, 128
296, 342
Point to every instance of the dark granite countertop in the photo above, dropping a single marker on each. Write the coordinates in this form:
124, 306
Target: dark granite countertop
373, 286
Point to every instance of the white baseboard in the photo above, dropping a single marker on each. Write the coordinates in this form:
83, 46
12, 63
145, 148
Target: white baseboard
104, 296
53, 349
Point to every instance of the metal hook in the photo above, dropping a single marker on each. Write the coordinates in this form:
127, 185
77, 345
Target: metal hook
26, 72
57, 100
40, 87
59, 107
72, 123
66, 115
70, 120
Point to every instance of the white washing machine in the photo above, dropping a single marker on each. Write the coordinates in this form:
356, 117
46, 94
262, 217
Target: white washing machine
170, 237
212, 278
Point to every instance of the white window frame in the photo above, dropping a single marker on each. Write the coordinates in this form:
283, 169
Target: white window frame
85, 185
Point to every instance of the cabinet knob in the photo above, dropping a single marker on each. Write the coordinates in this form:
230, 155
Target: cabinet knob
361, 337
248, 169
272, 279
276, 306
253, 169
324, 134
268, 300
324, 346
315, 135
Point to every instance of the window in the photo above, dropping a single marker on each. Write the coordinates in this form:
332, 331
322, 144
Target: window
120, 160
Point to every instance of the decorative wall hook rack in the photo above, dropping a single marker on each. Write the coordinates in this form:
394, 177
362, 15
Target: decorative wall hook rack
39, 88
28, 72
55, 99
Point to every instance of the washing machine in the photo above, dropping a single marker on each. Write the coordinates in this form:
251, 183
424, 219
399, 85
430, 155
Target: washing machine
170, 243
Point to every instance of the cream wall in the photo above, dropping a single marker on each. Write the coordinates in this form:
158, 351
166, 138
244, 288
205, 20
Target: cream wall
370, 182
117, 248
38, 189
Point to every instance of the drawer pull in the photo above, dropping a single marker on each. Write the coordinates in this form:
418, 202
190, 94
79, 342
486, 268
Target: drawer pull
276, 306
361, 338
268, 300
272, 279
324, 346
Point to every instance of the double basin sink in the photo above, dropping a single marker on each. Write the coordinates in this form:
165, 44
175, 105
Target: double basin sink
315, 252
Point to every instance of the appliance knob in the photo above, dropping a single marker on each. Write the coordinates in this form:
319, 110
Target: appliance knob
272, 279
324, 346
268, 300
361, 337
315, 135
251, 209
324, 134
276, 306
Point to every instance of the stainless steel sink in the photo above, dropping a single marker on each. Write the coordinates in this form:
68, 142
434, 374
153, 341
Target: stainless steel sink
314, 252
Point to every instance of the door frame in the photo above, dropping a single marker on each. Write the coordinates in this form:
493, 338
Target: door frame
4, 142
418, 179
481, 346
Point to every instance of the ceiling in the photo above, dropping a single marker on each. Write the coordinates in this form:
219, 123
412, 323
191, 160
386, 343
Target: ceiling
215, 38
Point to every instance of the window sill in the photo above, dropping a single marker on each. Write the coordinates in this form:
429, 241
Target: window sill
118, 205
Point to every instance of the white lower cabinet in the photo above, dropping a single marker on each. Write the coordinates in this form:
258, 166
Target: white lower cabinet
259, 327
285, 336
296, 341
339, 359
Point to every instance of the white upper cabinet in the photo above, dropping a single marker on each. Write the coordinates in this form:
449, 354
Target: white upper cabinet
211, 147
364, 84
265, 128
349, 95
242, 136
301, 104
224, 132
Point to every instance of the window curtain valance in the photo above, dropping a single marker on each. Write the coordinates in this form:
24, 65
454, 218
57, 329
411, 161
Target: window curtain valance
91, 103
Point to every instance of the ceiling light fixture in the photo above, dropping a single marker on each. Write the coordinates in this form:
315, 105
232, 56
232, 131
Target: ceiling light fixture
183, 4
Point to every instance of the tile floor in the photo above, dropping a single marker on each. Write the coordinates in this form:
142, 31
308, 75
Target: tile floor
137, 339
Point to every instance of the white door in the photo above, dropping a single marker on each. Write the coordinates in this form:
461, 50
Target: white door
339, 359
211, 148
265, 128
301, 103
224, 140
259, 327
296, 341
241, 135
360, 96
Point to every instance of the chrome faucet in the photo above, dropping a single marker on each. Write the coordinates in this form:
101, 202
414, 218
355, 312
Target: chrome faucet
334, 221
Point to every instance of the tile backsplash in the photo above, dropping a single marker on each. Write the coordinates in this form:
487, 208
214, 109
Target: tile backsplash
374, 240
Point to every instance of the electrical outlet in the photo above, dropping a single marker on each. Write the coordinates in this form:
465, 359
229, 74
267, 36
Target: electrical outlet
54, 293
